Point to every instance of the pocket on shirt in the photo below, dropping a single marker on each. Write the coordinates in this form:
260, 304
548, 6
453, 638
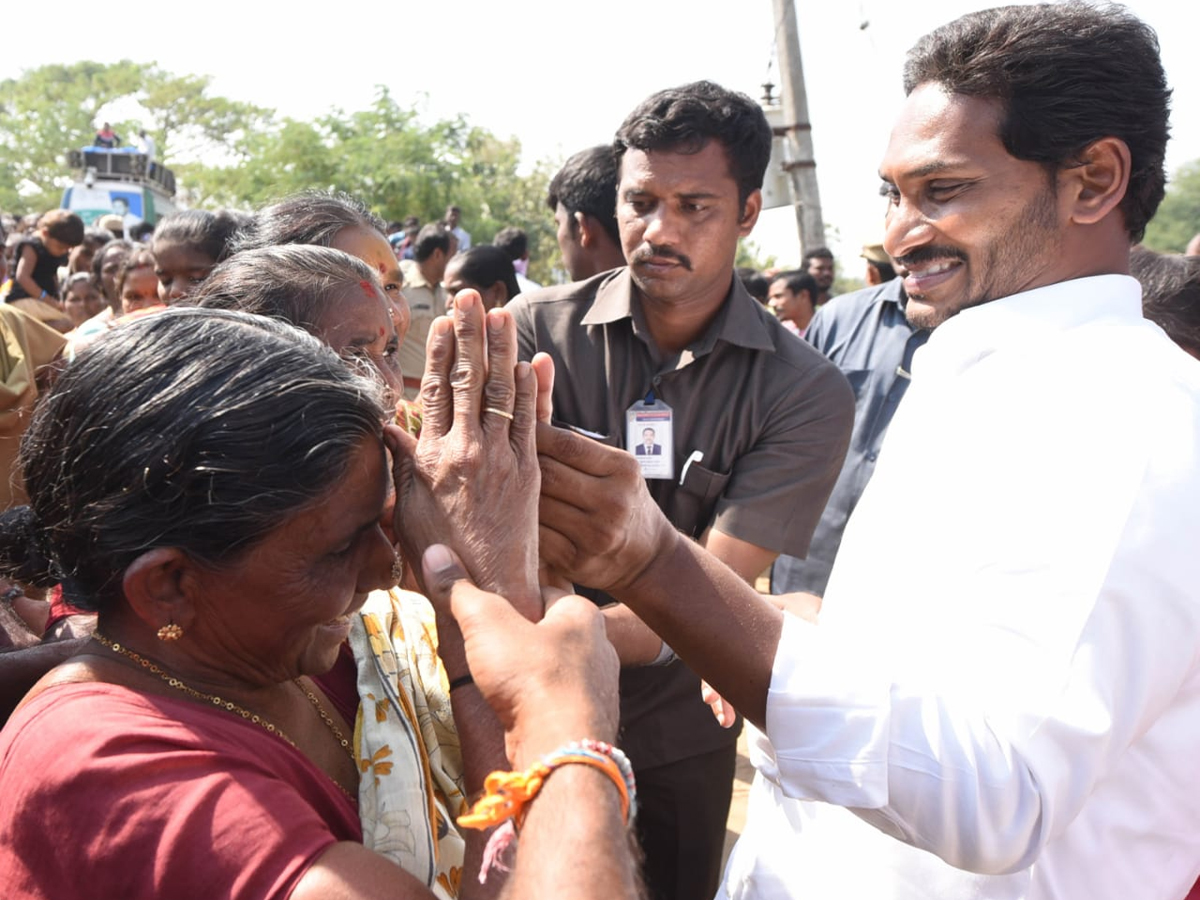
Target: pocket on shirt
697, 496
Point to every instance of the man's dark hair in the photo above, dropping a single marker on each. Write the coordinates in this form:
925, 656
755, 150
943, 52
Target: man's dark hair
1065, 75
816, 253
483, 265
798, 281
757, 284
685, 119
431, 237
587, 183
1170, 294
513, 241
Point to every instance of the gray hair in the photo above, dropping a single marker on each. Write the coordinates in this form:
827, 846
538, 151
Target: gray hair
191, 428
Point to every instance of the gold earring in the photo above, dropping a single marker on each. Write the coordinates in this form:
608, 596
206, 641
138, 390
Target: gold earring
170, 632
397, 567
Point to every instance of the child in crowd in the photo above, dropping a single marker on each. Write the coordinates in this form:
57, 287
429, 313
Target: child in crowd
187, 245
35, 288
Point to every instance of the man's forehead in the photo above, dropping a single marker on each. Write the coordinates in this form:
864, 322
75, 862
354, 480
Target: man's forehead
705, 171
938, 130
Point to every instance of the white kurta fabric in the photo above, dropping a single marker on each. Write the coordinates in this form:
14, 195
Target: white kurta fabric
1004, 685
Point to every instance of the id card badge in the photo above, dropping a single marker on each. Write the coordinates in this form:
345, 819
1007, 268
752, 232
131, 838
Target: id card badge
648, 436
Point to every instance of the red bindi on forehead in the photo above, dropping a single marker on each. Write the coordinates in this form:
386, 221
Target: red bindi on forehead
382, 268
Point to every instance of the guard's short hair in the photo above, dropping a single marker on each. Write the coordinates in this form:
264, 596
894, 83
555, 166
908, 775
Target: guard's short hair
686, 118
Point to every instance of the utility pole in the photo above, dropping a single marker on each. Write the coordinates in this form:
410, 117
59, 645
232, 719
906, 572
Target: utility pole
797, 131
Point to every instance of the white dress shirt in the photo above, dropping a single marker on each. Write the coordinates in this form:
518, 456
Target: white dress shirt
1002, 698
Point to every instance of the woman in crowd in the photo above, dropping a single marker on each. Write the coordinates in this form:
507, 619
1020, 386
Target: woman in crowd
339, 221
328, 293
485, 268
106, 265
137, 285
82, 299
187, 246
199, 748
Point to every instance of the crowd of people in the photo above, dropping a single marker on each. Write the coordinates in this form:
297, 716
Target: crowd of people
338, 558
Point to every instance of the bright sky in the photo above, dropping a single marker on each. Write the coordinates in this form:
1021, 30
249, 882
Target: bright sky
561, 76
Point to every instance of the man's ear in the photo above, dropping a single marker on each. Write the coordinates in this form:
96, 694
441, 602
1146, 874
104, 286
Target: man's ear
585, 227
1097, 184
750, 213
158, 587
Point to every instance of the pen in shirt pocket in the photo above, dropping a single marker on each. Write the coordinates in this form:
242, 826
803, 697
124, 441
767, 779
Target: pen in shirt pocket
594, 435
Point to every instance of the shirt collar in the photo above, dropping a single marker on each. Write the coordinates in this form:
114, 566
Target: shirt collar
740, 320
1029, 317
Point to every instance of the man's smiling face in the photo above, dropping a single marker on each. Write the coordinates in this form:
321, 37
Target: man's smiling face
968, 221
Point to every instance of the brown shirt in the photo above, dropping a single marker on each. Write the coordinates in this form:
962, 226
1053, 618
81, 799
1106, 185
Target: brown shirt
770, 414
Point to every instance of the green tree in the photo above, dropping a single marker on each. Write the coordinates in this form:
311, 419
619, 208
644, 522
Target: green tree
54, 108
238, 155
1178, 218
46, 112
749, 256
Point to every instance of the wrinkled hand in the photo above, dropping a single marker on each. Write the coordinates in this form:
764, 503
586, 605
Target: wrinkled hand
549, 683
471, 479
597, 524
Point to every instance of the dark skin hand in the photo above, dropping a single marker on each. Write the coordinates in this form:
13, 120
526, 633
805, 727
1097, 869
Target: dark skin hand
550, 683
600, 527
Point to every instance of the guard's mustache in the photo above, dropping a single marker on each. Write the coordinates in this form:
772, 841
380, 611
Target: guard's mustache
649, 252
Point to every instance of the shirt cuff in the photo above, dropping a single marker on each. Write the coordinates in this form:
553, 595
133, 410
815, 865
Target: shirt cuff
828, 716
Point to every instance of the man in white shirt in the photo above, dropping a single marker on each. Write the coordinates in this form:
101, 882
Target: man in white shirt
451, 221
1002, 696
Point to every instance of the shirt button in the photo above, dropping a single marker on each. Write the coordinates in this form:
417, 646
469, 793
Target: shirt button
871, 457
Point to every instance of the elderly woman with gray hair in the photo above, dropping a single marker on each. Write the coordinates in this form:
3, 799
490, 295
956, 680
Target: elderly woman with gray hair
212, 484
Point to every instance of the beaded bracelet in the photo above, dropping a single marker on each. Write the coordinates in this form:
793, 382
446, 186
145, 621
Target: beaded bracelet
507, 794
